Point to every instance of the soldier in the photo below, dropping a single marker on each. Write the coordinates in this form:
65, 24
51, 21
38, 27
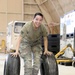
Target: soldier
29, 42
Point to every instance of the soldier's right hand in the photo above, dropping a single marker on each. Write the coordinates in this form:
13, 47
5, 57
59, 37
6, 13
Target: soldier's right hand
15, 54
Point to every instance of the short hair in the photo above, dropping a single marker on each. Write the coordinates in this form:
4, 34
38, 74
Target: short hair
38, 13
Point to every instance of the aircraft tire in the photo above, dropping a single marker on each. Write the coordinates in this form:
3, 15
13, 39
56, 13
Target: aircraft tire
12, 65
49, 65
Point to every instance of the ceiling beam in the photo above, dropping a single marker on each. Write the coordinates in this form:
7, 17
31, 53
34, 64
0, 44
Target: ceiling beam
44, 10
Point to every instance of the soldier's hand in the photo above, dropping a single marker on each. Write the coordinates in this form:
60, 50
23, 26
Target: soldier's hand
47, 52
15, 54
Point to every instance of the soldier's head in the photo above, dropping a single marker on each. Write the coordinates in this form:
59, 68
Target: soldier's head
37, 20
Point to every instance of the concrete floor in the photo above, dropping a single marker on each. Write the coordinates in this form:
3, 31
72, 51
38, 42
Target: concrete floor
63, 70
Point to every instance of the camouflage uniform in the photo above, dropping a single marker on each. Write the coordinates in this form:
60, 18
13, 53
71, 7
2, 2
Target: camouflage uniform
31, 43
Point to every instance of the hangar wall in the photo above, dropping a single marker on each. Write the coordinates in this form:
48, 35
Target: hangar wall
10, 10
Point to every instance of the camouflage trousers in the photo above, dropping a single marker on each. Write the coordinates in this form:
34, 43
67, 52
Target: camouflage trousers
31, 56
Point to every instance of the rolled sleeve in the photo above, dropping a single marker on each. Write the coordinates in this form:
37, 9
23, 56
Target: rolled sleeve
22, 34
23, 31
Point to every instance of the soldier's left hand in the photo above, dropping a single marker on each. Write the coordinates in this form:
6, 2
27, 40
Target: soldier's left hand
47, 52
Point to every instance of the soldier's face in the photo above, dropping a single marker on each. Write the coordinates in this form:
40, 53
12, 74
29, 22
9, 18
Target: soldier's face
37, 21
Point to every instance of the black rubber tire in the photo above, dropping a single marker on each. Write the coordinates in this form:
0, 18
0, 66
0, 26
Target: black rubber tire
49, 65
12, 65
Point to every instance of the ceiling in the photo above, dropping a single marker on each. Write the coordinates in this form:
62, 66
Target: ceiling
53, 10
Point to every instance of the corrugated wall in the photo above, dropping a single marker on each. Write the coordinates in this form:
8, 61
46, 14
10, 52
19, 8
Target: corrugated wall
10, 10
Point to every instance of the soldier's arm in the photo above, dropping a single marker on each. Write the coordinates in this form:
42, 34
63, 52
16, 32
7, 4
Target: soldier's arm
17, 46
46, 46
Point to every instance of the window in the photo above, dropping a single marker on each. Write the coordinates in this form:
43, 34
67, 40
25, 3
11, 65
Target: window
18, 26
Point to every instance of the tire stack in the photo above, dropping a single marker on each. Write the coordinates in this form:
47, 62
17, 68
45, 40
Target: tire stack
53, 43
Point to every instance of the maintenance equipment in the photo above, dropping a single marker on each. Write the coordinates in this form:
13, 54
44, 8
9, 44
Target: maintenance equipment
13, 31
3, 46
61, 58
